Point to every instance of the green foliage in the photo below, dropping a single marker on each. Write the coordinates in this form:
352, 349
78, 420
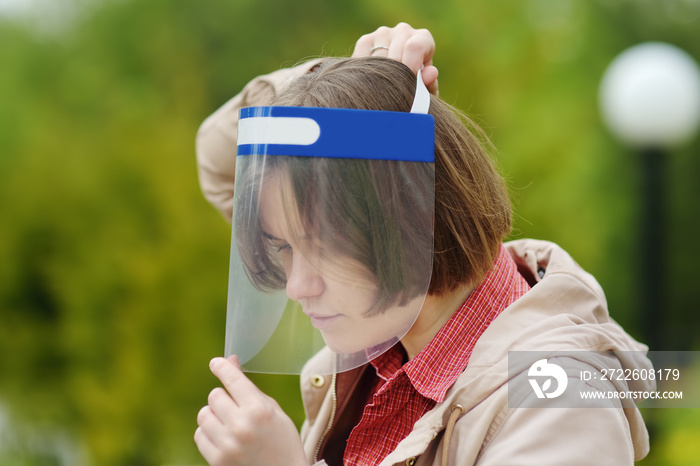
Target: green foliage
114, 269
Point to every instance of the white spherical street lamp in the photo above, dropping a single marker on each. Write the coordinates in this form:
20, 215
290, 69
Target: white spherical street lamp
650, 100
650, 96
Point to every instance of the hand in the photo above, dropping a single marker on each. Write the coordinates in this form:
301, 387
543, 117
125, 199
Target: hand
412, 47
243, 426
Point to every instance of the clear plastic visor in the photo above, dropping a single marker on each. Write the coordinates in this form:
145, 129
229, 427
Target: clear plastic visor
332, 243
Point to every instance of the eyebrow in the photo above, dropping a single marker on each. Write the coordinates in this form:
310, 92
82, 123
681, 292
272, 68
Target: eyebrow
270, 237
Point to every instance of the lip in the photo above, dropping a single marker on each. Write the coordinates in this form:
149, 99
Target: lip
322, 322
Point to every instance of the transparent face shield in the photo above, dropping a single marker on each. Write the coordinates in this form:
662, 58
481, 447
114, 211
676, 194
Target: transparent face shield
332, 241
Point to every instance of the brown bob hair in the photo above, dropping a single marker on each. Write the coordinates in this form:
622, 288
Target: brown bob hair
469, 218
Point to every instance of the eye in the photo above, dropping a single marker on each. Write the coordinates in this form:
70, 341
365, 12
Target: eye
278, 245
286, 247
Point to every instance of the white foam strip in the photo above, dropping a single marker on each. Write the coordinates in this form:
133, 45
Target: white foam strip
421, 101
278, 130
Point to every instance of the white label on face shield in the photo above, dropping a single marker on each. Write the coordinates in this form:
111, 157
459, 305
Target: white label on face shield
278, 130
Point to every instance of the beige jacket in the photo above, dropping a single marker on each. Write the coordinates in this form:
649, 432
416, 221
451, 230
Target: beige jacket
565, 311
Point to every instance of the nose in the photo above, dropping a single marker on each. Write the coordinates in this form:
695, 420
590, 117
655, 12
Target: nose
303, 279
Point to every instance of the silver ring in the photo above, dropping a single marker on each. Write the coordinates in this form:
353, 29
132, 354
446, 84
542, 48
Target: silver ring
377, 47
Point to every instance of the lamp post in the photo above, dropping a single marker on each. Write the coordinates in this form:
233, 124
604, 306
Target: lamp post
650, 100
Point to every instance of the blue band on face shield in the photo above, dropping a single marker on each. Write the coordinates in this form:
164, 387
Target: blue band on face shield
338, 133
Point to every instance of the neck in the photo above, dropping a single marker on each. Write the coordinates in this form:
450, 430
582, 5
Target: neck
435, 312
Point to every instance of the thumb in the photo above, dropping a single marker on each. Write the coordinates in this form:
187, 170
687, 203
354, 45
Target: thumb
430, 75
234, 360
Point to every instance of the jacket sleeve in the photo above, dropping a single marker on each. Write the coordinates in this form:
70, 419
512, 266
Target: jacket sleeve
217, 136
561, 435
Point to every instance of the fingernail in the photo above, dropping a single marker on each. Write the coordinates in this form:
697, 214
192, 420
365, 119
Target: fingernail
214, 362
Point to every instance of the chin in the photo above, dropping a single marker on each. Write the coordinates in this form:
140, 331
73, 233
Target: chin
343, 345
347, 346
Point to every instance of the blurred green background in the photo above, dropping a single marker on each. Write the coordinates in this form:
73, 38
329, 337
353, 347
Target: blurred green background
113, 269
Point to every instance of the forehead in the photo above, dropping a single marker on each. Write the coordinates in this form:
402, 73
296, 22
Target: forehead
278, 212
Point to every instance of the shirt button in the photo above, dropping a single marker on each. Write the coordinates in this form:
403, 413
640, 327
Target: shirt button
411, 461
318, 381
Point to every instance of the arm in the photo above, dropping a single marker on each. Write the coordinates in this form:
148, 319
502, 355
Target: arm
217, 136
553, 436
555, 431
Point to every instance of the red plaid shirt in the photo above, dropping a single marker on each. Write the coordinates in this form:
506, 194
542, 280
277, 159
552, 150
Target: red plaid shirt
405, 392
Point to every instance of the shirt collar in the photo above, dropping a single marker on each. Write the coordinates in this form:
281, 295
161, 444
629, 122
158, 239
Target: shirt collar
436, 368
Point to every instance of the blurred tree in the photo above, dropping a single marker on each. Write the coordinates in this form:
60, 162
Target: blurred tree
113, 270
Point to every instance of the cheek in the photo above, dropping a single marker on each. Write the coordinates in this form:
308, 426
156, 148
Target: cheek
356, 298
287, 261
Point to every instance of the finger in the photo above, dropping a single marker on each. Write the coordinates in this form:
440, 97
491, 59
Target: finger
430, 75
211, 428
363, 46
379, 51
222, 436
398, 42
222, 405
418, 50
206, 447
396, 47
234, 360
207, 417
241, 389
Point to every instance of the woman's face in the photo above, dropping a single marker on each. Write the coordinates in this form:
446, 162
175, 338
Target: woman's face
335, 292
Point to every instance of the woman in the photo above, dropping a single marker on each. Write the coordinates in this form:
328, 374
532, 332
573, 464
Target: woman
447, 392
